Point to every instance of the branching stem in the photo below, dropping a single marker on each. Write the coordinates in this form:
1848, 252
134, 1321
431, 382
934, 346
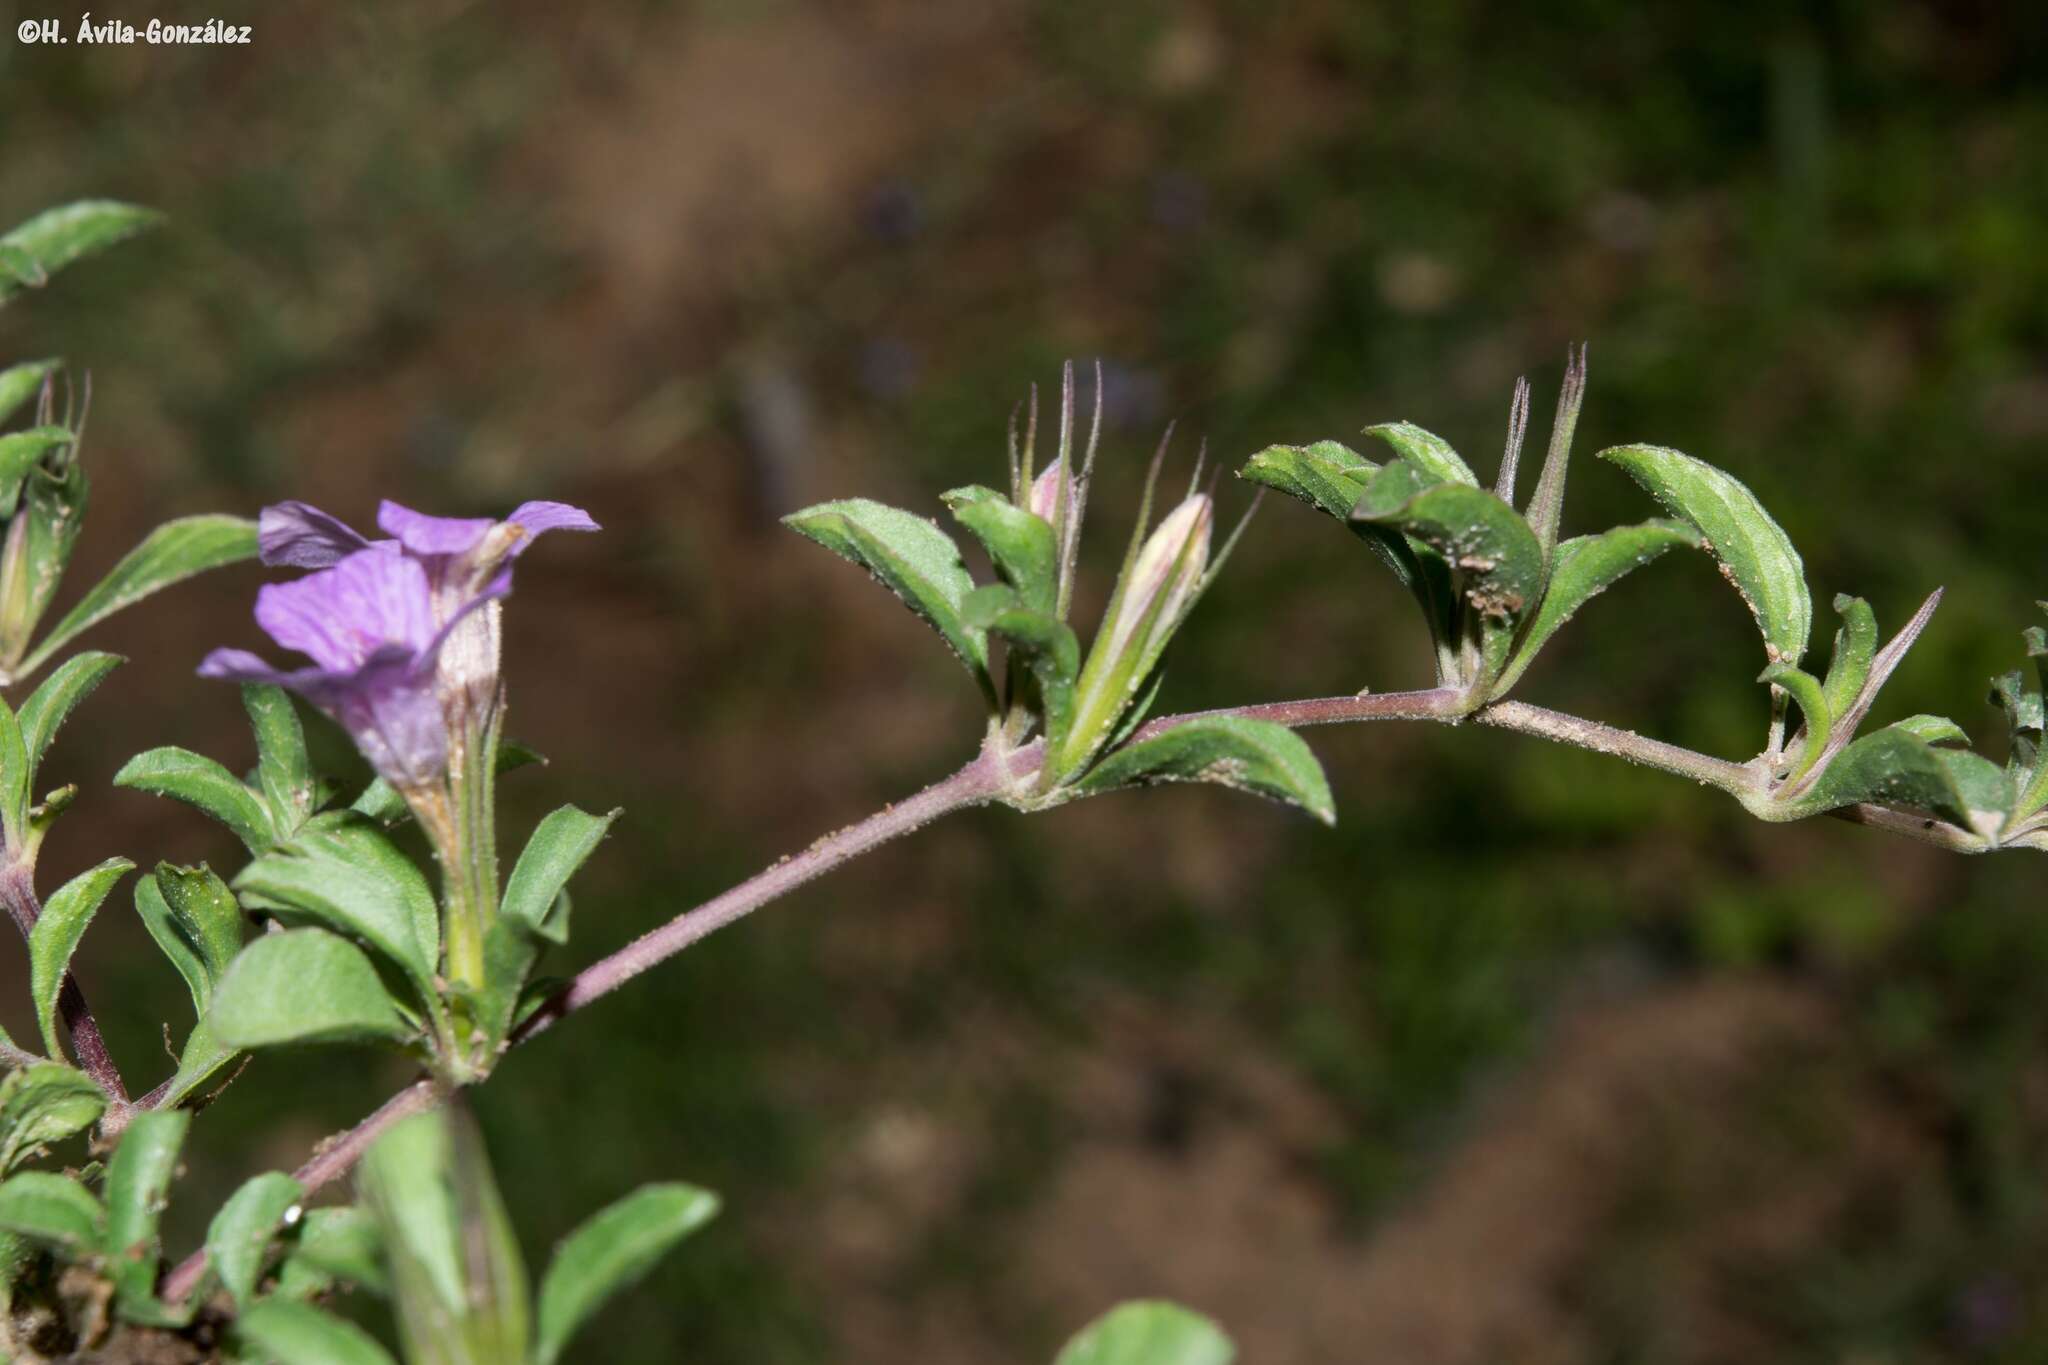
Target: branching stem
999, 769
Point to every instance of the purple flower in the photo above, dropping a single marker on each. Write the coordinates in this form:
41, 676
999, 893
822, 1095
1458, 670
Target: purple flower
403, 633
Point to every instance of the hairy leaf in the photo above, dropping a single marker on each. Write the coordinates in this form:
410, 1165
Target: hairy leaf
241, 1232
303, 986
1251, 755
559, 846
138, 1180
1327, 475
19, 383
1888, 767
282, 768
333, 1245
1755, 553
41, 1104
1855, 647
610, 1253
912, 558
56, 934
53, 239
290, 1331
174, 551
199, 781
1585, 567
1020, 545
54, 1210
1426, 450
20, 452
343, 873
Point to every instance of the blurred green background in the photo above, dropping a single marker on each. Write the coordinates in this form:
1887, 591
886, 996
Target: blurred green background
1537, 1057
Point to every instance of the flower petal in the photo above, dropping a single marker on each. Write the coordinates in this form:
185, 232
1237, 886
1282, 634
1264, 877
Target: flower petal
300, 536
536, 517
339, 616
421, 534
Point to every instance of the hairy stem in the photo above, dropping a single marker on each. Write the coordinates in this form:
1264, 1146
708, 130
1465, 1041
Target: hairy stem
1436, 703
1605, 739
329, 1162
17, 889
977, 783
993, 771
999, 769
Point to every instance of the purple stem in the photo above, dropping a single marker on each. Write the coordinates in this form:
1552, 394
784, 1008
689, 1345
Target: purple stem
17, 888
976, 784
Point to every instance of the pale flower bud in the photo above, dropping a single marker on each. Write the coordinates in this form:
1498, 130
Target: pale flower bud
1168, 571
1045, 493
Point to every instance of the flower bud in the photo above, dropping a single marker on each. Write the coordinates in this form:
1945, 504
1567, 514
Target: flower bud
1159, 584
1045, 493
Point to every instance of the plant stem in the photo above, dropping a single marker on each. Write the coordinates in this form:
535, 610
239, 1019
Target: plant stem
17, 889
329, 1162
1605, 739
1435, 703
993, 771
981, 780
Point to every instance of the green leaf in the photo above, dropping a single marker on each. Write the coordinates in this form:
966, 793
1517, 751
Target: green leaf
282, 767
1889, 767
56, 934
54, 1210
241, 1232
1855, 647
55, 238
342, 873
1426, 451
138, 1181
1755, 553
1020, 545
336, 1244
912, 558
1149, 1333
291, 1333
1819, 721
303, 986
199, 781
1585, 567
610, 1253
1497, 561
19, 383
1327, 475
174, 551
20, 452
41, 1104
195, 920
559, 845
14, 777
1046, 646
455, 1269
55, 493
1935, 730
51, 704
1251, 755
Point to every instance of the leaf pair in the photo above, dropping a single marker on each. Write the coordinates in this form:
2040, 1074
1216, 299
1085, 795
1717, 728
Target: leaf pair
1494, 584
